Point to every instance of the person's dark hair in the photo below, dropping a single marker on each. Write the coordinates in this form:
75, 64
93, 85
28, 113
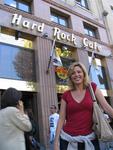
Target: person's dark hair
10, 97
53, 106
30, 113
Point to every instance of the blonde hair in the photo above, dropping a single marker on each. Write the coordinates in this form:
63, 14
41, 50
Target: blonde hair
70, 72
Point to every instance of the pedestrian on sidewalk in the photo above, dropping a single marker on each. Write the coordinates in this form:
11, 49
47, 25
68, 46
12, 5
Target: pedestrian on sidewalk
13, 121
53, 120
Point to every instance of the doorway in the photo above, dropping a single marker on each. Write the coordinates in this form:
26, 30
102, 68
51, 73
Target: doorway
30, 102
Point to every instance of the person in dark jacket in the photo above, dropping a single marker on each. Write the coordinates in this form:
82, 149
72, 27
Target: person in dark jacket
31, 137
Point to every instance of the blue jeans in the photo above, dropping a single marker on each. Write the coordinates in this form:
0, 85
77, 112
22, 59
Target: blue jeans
52, 145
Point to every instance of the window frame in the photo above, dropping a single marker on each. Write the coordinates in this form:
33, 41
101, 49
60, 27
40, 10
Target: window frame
21, 46
58, 15
80, 2
66, 59
26, 3
100, 68
21, 49
91, 30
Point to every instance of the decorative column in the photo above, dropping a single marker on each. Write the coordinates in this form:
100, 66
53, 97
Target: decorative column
46, 85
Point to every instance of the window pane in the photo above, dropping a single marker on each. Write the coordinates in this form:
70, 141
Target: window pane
23, 7
62, 22
91, 33
99, 77
66, 57
59, 19
19, 5
11, 3
54, 19
98, 74
19, 63
83, 3
86, 31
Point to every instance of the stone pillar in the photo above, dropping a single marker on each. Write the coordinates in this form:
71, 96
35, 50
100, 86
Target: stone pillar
83, 57
46, 86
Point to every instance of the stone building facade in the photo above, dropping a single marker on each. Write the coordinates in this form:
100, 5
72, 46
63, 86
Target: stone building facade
31, 30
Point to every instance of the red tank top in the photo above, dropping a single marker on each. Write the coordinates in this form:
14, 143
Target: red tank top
78, 115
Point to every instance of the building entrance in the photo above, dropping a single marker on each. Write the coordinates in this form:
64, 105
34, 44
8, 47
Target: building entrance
30, 102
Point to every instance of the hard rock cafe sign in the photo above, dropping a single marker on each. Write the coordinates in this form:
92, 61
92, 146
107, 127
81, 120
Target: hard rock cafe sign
59, 35
18, 20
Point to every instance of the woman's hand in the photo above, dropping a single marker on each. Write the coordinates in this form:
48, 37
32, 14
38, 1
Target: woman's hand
56, 145
20, 106
30, 138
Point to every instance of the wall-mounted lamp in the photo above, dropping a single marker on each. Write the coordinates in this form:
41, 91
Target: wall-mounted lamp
45, 35
110, 56
64, 48
17, 35
105, 13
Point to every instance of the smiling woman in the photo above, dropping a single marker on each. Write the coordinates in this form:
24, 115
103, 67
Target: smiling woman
76, 111
76, 72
